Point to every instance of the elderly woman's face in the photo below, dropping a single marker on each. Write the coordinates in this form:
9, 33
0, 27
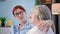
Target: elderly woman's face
19, 14
33, 18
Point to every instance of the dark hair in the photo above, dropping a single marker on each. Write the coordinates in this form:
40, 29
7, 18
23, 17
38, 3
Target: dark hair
18, 6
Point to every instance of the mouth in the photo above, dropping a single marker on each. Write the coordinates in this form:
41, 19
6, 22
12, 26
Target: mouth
20, 17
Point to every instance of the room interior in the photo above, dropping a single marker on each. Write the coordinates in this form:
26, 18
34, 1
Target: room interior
7, 5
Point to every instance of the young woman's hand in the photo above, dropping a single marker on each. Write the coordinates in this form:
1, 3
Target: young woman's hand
44, 25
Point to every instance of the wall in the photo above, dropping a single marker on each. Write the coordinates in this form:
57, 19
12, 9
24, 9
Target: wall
7, 6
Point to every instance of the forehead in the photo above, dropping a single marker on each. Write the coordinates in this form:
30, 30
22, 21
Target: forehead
17, 10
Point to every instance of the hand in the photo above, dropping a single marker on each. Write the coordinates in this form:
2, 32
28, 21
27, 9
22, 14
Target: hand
44, 25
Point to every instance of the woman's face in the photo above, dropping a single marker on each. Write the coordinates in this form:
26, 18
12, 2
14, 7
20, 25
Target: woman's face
33, 18
19, 14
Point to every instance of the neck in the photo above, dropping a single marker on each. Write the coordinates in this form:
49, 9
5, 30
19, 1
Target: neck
22, 22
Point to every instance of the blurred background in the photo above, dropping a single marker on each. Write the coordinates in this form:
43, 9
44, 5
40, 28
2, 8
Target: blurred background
7, 19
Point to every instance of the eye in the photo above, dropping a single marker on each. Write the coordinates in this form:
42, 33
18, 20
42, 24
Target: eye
21, 12
17, 13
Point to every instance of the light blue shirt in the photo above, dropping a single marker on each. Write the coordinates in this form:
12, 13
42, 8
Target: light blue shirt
25, 28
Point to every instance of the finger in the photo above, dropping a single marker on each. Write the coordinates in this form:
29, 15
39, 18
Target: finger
42, 22
47, 22
43, 25
50, 22
45, 29
39, 24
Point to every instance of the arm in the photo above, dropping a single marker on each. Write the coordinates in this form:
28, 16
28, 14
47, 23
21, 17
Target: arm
13, 29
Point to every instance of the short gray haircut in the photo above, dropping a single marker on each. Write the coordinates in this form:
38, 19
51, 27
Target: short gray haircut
42, 12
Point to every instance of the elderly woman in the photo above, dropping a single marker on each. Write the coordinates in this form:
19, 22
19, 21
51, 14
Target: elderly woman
39, 14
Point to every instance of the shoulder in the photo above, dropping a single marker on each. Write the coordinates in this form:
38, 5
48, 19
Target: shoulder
35, 30
28, 25
50, 31
14, 28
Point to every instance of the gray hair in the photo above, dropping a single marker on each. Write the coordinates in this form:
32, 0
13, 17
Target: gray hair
42, 12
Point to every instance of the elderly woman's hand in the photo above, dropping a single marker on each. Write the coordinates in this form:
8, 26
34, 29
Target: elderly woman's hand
44, 25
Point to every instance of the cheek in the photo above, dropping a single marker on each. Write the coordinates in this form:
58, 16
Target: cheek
32, 19
16, 18
24, 15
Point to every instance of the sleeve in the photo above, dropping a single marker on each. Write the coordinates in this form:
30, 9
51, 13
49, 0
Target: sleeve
50, 31
13, 29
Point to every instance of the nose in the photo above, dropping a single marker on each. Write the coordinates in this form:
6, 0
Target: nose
19, 15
